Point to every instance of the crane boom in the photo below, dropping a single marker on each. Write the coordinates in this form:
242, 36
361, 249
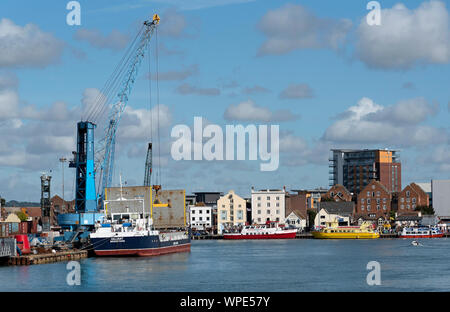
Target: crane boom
107, 144
148, 166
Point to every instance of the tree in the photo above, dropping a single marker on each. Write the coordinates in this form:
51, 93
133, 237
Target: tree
426, 210
311, 216
22, 216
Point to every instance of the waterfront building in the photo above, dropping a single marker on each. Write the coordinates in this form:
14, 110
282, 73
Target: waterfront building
209, 199
338, 192
411, 197
296, 212
268, 205
373, 203
231, 211
341, 211
201, 217
354, 169
426, 187
441, 200
313, 197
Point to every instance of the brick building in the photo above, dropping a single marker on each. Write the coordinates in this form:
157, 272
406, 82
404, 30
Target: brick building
373, 203
354, 169
411, 197
338, 192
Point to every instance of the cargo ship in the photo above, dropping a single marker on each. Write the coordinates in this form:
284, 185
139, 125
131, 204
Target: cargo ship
420, 232
270, 230
334, 231
128, 229
137, 238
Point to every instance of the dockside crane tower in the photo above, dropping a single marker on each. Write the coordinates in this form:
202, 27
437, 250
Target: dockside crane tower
90, 162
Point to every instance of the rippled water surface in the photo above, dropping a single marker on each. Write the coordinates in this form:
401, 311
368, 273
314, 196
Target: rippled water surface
264, 265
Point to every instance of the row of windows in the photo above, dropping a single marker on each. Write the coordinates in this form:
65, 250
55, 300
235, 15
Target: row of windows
200, 218
268, 211
268, 219
239, 206
369, 207
402, 200
369, 200
268, 205
268, 198
407, 206
200, 211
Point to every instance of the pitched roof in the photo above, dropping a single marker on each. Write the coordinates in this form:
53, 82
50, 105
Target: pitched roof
338, 208
297, 211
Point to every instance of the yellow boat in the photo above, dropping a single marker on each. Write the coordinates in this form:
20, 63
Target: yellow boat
333, 230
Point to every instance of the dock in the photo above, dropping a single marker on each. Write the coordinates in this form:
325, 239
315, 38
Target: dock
48, 257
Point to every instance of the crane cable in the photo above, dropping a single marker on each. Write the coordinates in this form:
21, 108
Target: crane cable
158, 104
111, 85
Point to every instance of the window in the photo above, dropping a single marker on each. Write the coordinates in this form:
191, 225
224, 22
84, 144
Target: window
368, 207
268, 197
278, 211
223, 206
373, 193
378, 193
414, 200
268, 211
259, 204
368, 200
402, 206
408, 206
368, 194
402, 200
362, 200
378, 207
384, 200
362, 207
407, 193
384, 207
278, 204
378, 200
259, 219
322, 217
193, 218
200, 211
259, 211
268, 204
278, 197
207, 211
239, 205
259, 198
207, 218
373, 187
200, 218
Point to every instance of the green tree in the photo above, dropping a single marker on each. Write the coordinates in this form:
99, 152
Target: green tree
311, 216
22, 216
425, 210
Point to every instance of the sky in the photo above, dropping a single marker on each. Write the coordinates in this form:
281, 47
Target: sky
317, 69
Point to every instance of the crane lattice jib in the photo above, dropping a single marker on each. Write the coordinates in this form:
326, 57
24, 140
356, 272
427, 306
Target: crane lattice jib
107, 147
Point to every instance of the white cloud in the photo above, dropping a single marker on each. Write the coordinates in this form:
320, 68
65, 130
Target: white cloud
406, 37
248, 111
369, 123
293, 27
27, 46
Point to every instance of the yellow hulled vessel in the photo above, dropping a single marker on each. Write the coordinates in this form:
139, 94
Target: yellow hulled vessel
333, 230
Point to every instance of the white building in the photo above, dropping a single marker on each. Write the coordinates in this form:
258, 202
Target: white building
334, 211
231, 211
200, 217
268, 205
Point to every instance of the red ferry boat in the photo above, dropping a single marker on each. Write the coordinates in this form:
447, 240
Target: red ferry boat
421, 232
270, 230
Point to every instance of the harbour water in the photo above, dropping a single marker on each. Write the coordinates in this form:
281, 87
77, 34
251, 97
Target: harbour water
265, 265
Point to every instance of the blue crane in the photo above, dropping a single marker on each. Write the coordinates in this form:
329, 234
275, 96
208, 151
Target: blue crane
89, 161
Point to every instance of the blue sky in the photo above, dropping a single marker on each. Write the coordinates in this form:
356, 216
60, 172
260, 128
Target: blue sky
336, 82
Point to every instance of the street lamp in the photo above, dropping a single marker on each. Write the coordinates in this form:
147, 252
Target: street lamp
63, 160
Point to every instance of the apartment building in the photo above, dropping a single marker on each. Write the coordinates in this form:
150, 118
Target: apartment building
268, 205
231, 211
